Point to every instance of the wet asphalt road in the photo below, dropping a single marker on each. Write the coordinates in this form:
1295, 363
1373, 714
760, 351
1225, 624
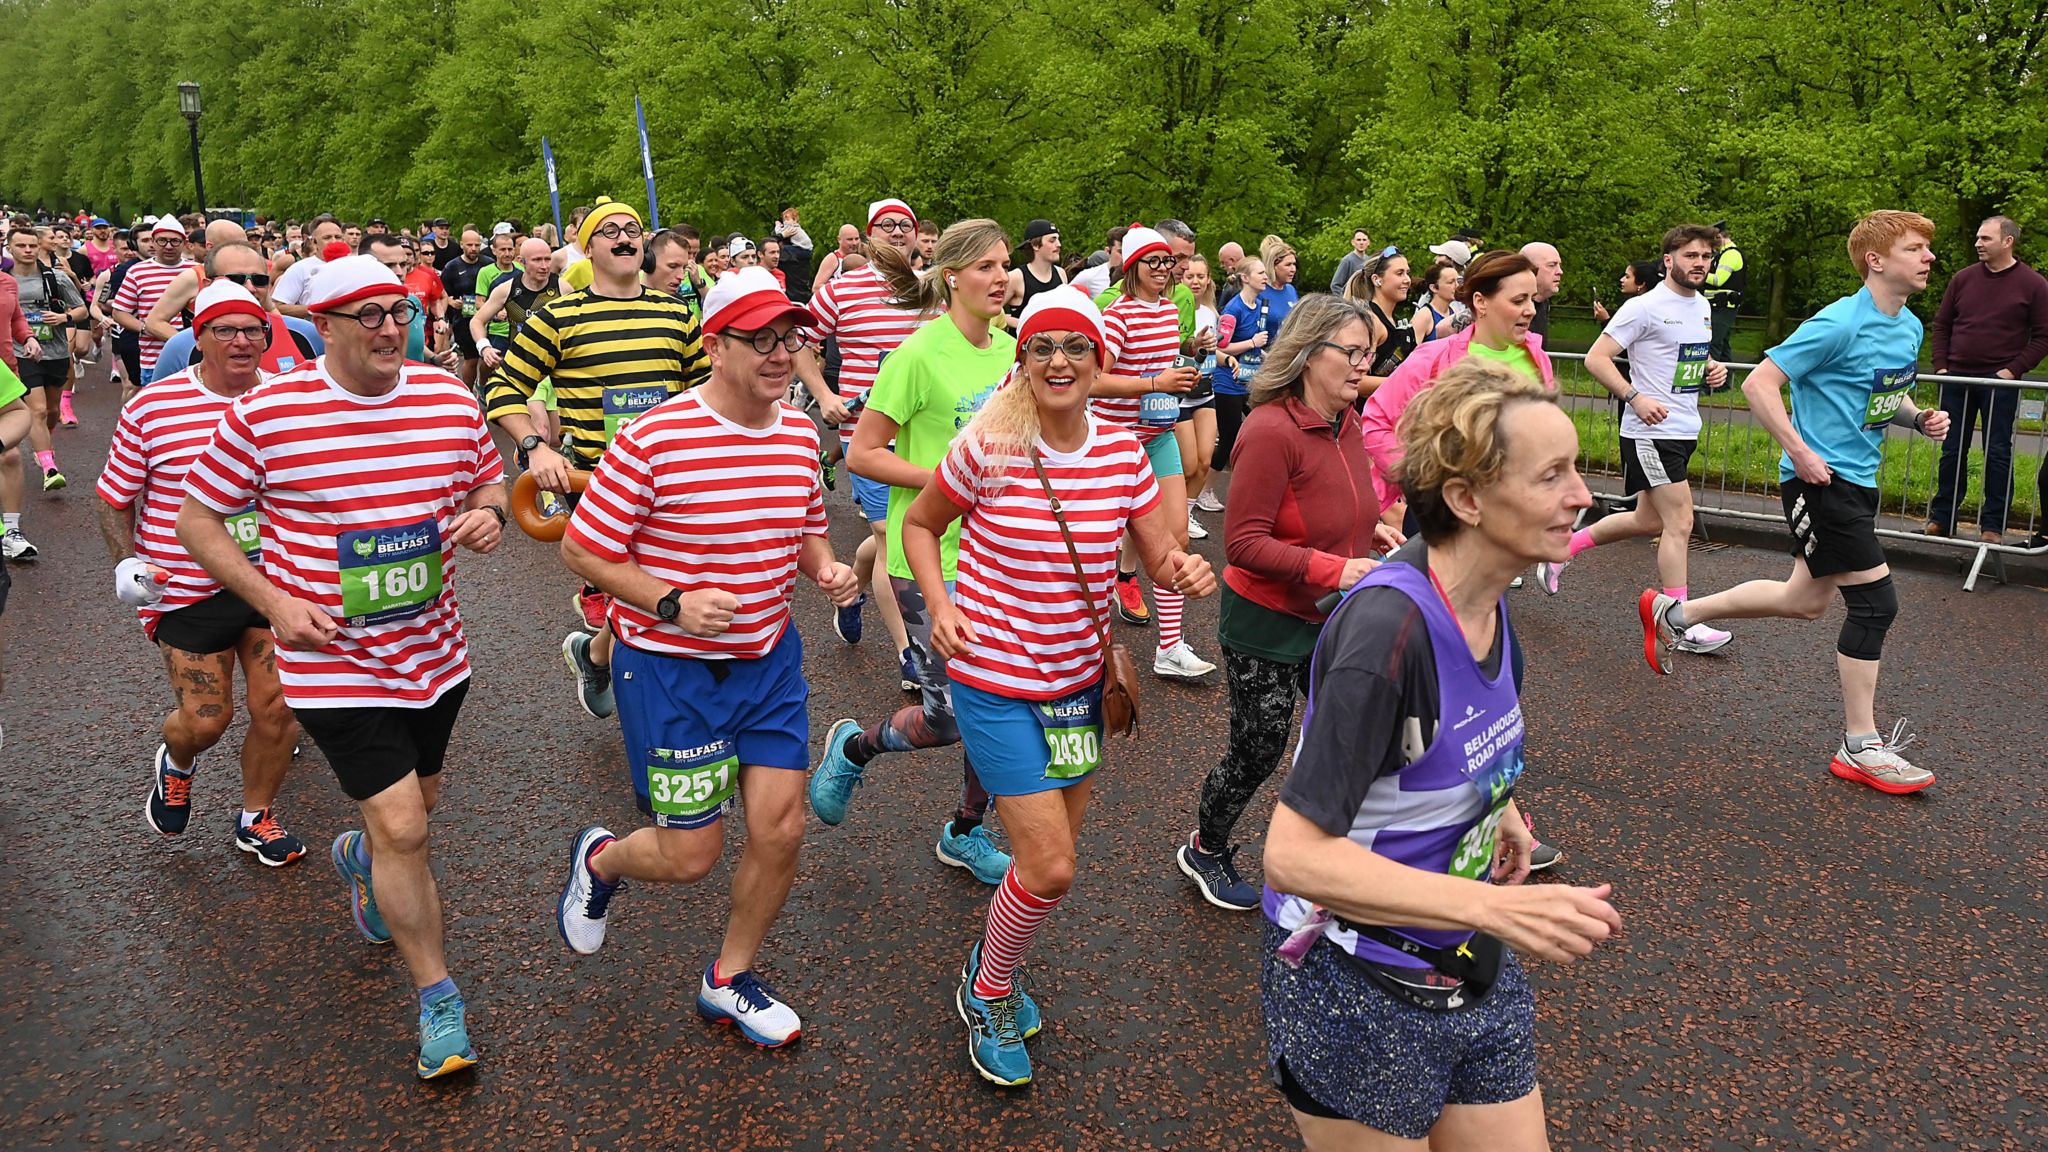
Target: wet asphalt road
1806, 964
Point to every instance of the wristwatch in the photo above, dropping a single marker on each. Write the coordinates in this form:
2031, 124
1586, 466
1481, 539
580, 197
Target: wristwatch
494, 510
671, 605
528, 443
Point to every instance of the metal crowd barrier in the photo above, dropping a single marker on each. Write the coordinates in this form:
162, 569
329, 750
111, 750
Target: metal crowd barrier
1735, 470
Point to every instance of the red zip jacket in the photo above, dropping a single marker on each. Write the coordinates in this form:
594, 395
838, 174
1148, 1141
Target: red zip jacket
1301, 504
12, 319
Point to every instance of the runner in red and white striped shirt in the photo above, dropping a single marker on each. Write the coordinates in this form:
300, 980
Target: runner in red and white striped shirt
860, 312
1143, 332
146, 282
368, 472
1022, 631
202, 628
696, 522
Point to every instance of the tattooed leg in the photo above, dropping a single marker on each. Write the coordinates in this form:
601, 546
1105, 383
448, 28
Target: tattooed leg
202, 683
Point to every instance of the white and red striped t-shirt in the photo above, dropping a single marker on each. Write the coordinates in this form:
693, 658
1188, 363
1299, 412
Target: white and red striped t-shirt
140, 290
699, 501
1036, 633
1143, 339
159, 433
356, 495
855, 308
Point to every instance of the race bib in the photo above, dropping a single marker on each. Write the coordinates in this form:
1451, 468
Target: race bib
623, 403
389, 573
1473, 857
469, 305
1073, 733
1888, 388
686, 784
1689, 375
242, 526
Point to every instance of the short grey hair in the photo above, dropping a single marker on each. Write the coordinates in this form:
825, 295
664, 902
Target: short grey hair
2007, 227
1175, 229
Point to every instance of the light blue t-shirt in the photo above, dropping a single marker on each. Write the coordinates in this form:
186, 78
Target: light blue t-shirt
1850, 366
177, 351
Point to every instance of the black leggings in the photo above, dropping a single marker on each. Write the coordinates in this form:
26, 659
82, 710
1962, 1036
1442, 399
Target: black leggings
1230, 411
1262, 696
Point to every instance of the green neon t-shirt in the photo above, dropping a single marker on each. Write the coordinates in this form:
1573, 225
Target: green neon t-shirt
486, 279
1516, 357
931, 386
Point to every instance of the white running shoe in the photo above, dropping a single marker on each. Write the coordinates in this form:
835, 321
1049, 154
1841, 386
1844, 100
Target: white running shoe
15, 546
1547, 574
1700, 640
586, 898
1195, 529
751, 1006
1180, 663
1208, 502
1880, 765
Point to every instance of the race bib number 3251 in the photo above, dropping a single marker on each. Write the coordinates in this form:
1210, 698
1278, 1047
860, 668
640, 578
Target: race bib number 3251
685, 785
389, 573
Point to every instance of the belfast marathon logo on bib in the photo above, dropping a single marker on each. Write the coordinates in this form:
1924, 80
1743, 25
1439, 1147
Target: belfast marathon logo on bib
1689, 375
1888, 388
1073, 733
242, 526
685, 786
625, 402
389, 573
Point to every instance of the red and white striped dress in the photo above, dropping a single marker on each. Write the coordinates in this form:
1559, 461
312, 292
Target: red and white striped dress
140, 290
156, 438
699, 501
1036, 632
357, 494
855, 308
1143, 339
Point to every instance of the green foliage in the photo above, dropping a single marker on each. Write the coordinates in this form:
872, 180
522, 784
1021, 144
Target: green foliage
1591, 123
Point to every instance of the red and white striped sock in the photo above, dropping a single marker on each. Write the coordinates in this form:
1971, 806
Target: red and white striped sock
1013, 919
1166, 609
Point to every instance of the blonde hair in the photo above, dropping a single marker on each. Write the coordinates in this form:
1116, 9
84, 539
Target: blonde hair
959, 246
1316, 319
1271, 251
1007, 424
1875, 234
1452, 431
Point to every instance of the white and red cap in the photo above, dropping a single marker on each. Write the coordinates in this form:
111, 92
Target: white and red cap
350, 279
166, 223
1142, 241
224, 298
1063, 309
881, 208
749, 300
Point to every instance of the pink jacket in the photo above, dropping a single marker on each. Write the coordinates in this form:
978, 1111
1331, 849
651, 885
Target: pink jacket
1384, 407
12, 319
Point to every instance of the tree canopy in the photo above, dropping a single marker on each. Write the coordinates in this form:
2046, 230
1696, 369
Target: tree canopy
1594, 124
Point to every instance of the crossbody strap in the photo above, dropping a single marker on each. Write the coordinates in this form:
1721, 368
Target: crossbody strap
1080, 574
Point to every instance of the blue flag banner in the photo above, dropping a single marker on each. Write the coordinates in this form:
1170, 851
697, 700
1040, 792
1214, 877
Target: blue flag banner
647, 167
547, 156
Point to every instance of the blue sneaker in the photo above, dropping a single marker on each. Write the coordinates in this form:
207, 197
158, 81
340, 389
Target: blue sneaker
444, 1038
833, 783
995, 1043
976, 852
911, 682
1029, 1021
846, 621
362, 900
749, 1005
1216, 875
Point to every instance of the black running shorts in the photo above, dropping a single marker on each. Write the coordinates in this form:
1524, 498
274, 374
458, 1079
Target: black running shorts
370, 749
215, 624
1647, 463
1834, 525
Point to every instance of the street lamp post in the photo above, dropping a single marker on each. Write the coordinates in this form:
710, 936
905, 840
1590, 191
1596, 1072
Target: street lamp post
188, 103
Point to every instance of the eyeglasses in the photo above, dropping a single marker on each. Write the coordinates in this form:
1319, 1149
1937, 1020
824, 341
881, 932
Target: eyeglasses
614, 231
230, 333
1356, 356
894, 226
1157, 263
1074, 348
373, 316
765, 341
247, 279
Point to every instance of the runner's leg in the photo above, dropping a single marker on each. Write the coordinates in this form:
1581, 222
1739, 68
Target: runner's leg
203, 685
1670, 505
267, 745
395, 828
773, 800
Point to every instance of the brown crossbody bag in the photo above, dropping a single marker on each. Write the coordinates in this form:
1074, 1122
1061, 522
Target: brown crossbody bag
1119, 675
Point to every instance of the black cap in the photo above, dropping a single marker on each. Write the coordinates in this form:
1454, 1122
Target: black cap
1721, 226
1039, 228
1466, 234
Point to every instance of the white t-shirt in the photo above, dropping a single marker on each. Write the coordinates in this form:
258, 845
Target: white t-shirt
296, 281
1666, 336
1094, 281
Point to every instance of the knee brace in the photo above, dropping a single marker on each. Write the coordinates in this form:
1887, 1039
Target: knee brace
1872, 608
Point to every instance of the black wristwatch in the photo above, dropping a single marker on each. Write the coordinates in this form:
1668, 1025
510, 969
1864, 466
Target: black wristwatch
528, 443
671, 605
494, 510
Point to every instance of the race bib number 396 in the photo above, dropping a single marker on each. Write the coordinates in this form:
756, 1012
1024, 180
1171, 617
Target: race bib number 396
389, 573
242, 526
1888, 389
